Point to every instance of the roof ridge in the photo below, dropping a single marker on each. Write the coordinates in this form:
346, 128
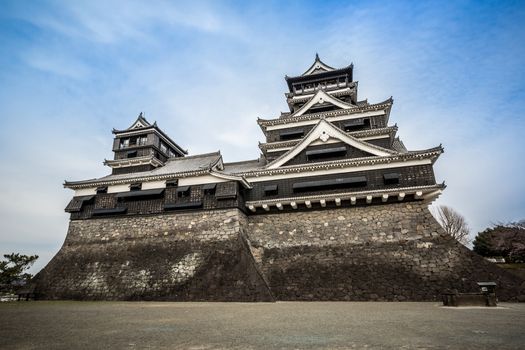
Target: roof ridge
242, 161
319, 115
202, 155
426, 150
310, 71
339, 162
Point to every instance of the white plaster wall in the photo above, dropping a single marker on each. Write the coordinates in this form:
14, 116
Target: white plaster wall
118, 188
153, 184
85, 191
198, 180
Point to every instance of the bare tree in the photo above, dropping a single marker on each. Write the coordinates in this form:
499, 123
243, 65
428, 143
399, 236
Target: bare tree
453, 223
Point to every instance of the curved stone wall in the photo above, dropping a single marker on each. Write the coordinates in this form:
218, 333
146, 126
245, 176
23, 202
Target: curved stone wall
193, 256
382, 252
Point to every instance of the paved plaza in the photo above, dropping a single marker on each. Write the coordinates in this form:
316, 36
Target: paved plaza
282, 325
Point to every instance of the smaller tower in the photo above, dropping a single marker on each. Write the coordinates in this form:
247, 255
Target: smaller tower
142, 147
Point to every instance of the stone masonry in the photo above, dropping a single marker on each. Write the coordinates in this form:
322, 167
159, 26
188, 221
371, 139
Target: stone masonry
389, 252
183, 257
384, 252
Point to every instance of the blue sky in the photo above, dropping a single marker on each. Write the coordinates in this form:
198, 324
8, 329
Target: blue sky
70, 71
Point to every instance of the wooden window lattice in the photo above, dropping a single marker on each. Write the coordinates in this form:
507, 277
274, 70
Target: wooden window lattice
105, 201
226, 190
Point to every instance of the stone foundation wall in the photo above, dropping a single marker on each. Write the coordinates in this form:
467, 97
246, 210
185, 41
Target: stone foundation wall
384, 252
388, 252
193, 256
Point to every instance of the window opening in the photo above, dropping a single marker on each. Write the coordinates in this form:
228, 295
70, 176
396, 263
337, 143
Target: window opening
391, 178
325, 153
209, 189
135, 187
271, 190
102, 189
183, 191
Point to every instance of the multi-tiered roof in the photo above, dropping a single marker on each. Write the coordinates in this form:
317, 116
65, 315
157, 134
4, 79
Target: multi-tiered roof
329, 150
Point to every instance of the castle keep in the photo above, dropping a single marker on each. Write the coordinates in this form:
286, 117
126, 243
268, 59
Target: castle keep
334, 209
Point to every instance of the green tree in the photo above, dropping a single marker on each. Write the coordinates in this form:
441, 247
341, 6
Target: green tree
482, 243
505, 240
12, 270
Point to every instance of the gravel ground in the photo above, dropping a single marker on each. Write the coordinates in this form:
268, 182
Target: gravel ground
283, 325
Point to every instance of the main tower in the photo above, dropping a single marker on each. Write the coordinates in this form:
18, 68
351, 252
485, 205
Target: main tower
332, 150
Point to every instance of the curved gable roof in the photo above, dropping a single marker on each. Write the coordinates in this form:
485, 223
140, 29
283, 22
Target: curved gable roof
319, 98
325, 130
140, 123
318, 67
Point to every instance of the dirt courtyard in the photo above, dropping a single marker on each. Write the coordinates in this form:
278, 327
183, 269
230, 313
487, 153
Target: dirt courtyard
282, 325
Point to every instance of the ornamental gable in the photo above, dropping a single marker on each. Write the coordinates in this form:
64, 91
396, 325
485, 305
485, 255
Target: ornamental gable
325, 133
324, 101
318, 67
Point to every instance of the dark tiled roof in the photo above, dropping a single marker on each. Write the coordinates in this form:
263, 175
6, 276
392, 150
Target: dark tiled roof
245, 166
199, 162
141, 120
399, 146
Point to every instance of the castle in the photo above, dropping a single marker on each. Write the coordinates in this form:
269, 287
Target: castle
336, 208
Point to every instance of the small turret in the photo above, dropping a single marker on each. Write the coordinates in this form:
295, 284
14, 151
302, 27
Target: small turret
142, 147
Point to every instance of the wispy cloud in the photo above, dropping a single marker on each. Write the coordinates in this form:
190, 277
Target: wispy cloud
112, 22
57, 63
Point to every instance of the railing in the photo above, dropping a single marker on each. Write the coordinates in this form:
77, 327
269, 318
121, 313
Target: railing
123, 146
322, 87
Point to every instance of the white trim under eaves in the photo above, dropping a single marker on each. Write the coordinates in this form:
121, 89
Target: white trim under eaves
330, 119
85, 191
200, 180
213, 177
254, 178
119, 188
150, 185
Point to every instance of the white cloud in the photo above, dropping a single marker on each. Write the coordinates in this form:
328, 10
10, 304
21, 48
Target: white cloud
56, 63
111, 22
